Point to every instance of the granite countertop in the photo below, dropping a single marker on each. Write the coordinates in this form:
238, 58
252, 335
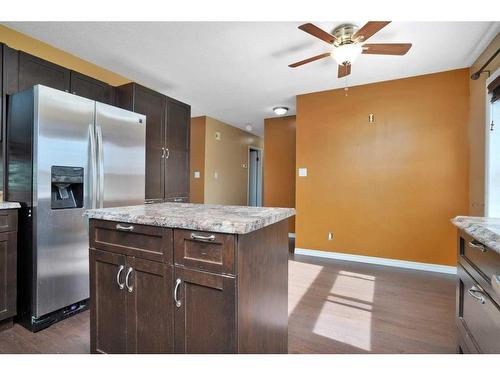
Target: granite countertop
484, 229
202, 217
9, 205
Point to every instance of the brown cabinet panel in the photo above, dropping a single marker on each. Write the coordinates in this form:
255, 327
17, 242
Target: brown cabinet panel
153, 243
35, 71
8, 274
108, 321
91, 88
150, 103
178, 119
478, 315
213, 252
205, 320
150, 323
8, 220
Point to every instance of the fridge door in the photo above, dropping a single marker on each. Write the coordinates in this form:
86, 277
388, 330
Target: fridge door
62, 130
121, 150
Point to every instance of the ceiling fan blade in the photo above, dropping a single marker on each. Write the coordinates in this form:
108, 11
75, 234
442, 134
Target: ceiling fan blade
317, 32
310, 59
344, 70
370, 29
386, 48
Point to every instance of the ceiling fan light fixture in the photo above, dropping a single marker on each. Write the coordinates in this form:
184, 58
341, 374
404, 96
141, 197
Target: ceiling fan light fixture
280, 111
346, 53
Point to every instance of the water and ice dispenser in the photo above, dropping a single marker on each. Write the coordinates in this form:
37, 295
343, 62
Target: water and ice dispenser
67, 187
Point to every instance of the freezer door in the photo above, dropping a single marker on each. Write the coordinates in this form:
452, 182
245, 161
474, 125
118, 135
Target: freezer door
63, 126
121, 150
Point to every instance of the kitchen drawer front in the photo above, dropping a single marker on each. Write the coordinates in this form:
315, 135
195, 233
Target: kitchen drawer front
141, 241
482, 262
207, 251
478, 314
8, 220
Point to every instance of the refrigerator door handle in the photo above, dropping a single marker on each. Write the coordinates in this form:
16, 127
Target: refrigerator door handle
93, 166
100, 161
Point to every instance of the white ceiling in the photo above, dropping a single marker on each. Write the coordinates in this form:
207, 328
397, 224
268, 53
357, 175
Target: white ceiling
238, 71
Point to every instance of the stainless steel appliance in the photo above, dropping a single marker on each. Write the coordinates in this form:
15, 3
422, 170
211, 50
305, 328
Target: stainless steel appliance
66, 154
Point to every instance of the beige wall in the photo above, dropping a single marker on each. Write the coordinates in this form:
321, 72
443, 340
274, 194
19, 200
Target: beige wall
197, 160
387, 189
477, 128
224, 157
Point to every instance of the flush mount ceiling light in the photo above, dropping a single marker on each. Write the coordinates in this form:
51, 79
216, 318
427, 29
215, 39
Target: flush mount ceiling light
280, 111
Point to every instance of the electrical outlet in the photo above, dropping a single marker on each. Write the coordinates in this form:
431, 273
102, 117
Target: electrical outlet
216, 175
330, 236
196, 174
302, 172
217, 136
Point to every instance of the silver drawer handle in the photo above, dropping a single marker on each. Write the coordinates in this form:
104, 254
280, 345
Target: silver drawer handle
178, 302
473, 291
120, 285
129, 272
177, 199
478, 245
128, 228
199, 237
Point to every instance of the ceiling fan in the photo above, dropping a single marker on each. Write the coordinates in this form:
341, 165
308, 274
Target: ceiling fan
348, 42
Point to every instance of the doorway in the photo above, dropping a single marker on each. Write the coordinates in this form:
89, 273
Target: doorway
492, 162
254, 176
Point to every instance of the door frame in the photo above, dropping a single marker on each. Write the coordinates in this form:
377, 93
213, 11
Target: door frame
260, 173
487, 109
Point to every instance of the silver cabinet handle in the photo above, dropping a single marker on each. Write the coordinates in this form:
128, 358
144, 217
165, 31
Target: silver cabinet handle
178, 199
472, 291
129, 287
127, 228
120, 285
199, 237
478, 245
100, 158
178, 302
167, 155
163, 152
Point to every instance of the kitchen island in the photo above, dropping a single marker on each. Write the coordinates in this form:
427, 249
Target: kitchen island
189, 278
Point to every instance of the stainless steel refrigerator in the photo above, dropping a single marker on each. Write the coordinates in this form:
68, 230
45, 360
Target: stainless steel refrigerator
66, 154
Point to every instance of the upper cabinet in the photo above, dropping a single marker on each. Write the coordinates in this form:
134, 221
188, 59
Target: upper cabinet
91, 88
36, 71
167, 141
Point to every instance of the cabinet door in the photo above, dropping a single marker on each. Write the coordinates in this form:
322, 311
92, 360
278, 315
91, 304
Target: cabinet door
108, 309
150, 321
152, 104
177, 143
35, 71
205, 315
8, 264
91, 88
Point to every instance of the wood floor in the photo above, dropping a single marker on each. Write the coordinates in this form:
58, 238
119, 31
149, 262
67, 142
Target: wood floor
334, 307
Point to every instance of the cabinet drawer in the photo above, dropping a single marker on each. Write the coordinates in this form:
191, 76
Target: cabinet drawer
485, 261
141, 241
478, 313
8, 220
208, 251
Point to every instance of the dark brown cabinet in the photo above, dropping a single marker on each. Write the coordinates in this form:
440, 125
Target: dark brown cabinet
8, 265
478, 297
204, 292
205, 314
36, 71
91, 88
167, 141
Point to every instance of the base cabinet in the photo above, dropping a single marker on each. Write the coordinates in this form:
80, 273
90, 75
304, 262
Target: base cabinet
8, 264
200, 292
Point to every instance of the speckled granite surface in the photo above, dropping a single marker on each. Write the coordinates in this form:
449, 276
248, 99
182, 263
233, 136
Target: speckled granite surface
484, 229
9, 205
202, 217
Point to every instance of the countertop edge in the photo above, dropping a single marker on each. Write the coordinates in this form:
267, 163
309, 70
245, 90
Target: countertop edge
9, 205
478, 231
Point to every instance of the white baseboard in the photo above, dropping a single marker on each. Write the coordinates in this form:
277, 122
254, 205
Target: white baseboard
380, 261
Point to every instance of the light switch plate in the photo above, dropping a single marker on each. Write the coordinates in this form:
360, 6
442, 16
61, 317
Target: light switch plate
216, 175
302, 172
196, 174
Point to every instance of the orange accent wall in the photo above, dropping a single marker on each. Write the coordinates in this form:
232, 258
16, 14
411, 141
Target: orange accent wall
197, 160
387, 189
279, 163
